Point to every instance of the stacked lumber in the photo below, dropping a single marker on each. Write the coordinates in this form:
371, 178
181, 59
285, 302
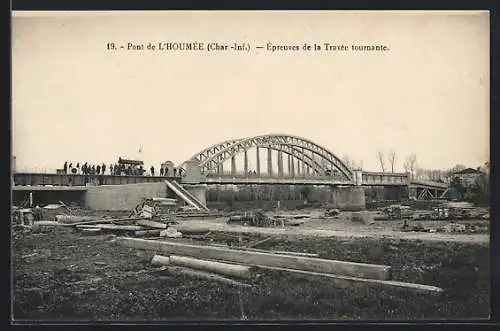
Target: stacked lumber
135, 226
218, 263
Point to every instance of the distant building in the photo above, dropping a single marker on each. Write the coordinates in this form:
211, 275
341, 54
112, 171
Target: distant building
468, 176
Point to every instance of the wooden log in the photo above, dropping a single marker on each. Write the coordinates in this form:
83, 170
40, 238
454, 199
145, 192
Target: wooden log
107, 221
188, 230
112, 227
255, 244
181, 271
159, 260
147, 233
345, 281
226, 269
152, 224
91, 230
342, 268
46, 223
69, 219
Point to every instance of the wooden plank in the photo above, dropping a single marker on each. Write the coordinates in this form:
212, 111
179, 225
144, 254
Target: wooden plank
47, 223
91, 230
345, 281
180, 271
343, 268
113, 227
152, 224
187, 229
70, 219
267, 251
296, 253
106, 220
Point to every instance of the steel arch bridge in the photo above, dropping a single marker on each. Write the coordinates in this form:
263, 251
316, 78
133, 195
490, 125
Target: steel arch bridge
305, 158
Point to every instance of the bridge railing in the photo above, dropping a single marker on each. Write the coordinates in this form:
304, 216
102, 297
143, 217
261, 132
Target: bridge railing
383, 178
34, 179
265, 175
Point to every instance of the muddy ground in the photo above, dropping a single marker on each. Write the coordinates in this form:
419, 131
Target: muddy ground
59, 275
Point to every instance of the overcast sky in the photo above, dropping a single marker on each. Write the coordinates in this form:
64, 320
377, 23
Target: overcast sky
74, 100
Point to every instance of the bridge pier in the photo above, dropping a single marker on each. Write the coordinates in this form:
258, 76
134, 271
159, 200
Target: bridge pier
199, 191
292, 162
350, 198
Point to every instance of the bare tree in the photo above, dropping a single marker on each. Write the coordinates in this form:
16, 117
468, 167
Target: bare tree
420, 173
392, 159
348, 161
458, 167
486, 167
410, 164
380, 156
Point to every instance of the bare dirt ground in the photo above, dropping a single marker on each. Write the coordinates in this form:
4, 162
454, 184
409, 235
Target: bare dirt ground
343, 229
60, 275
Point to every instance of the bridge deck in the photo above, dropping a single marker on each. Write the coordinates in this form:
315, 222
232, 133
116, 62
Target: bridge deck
48, 188
273, 181
67, 182
35, 179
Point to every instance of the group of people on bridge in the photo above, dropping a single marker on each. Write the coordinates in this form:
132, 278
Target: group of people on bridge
116, 170
84, 168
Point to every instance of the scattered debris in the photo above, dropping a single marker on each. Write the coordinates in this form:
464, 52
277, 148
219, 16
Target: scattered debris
23, 216
171, 233
364, 217
332, 212
397, 212
259, 219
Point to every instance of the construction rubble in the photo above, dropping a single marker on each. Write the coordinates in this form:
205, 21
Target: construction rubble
158, 220
259, 219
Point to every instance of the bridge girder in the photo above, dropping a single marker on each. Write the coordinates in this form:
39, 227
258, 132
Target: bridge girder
216, 154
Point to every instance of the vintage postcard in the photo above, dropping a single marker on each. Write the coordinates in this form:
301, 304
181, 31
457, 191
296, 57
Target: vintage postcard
250, 165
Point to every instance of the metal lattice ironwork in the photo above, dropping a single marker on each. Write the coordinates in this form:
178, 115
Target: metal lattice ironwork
302, 149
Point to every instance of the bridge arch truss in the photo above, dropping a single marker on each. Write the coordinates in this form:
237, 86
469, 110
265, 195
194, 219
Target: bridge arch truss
317, 158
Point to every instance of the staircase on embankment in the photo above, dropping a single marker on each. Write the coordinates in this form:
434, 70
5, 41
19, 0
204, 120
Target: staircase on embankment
185, 195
